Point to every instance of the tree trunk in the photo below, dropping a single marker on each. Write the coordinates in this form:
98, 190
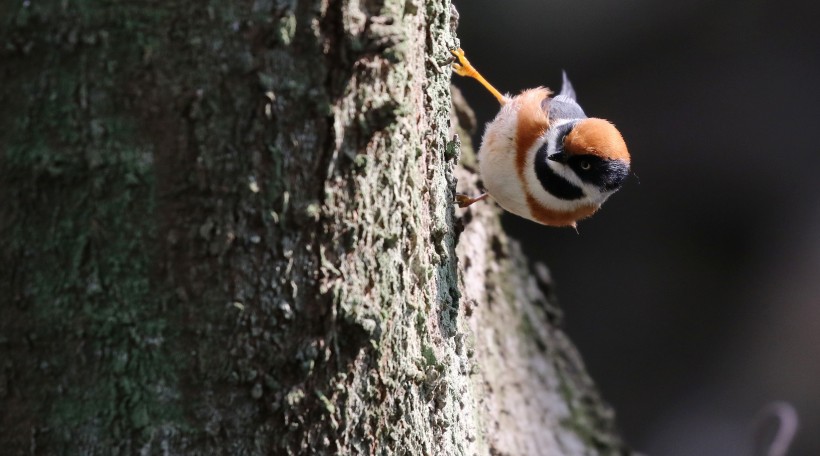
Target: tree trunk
228, 229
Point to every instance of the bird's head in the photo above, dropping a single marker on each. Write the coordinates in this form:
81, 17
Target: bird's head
595, 151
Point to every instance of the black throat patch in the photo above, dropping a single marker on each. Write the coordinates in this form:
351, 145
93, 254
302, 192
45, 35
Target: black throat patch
553, 183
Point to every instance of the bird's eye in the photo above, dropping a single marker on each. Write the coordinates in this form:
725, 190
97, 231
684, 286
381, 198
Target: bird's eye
585, 165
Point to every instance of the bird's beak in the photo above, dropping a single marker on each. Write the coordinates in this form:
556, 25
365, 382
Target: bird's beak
559, 157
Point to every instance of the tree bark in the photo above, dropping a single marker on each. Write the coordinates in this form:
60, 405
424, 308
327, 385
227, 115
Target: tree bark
228, 229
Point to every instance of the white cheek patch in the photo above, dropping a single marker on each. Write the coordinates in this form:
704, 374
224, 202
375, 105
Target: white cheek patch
567, 173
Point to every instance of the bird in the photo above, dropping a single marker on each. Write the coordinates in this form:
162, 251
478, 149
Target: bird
542, 158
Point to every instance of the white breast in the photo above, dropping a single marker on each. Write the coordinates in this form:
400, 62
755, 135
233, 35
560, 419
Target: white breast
496, 159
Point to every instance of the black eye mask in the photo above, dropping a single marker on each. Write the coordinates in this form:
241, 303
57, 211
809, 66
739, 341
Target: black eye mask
608, 175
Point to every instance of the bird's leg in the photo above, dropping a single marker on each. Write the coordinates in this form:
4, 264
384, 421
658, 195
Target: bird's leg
464, 200
464, 68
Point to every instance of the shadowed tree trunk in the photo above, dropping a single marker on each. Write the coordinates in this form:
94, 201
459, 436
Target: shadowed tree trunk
227, 229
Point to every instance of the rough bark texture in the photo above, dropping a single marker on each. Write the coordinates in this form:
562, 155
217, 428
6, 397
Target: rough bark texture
228, 229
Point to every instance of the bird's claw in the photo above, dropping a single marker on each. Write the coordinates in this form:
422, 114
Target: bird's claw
464, 200
463, 66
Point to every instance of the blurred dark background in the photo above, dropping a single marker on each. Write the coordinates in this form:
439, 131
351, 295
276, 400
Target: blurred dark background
694, 295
